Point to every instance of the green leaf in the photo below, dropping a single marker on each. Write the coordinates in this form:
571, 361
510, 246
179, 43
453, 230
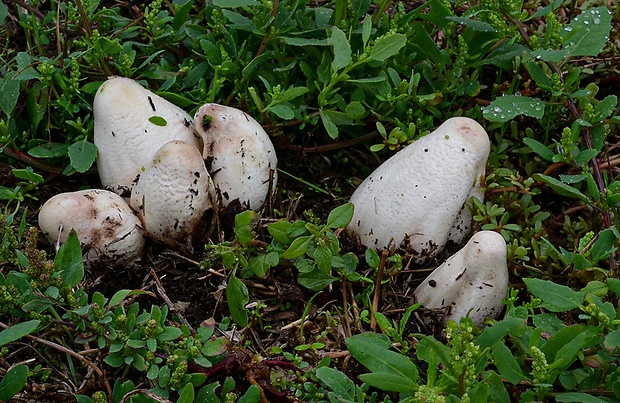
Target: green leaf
372, 258
328, 123
252, 395
9, 93
389, 382
605, 244
69, 260
366, 29
27, 174
373, 354
279, 231
48, 150
82, 155
18, 331
305, 41
323, 257
341, 216
614, 285
283, 111
114, 360
355, 110
234, 3
216, 347
315, 280
612, 340
170, 333
493, 334
118, 297
342, 49
539, 76
158, 121
387, 46
342, 386
556, 297
187, 394
561, 187
474, 25
578, 397
243, 226
237, 296
588, 33
13, 382
83, 399
539, 148
505, 108
506, 363
297, 248
291, 93
4, 12
567, 354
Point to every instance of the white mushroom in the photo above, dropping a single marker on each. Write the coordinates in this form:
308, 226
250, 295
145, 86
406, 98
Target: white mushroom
417, 198
104, 223
173, 193
131, 123
239, 155
473, 281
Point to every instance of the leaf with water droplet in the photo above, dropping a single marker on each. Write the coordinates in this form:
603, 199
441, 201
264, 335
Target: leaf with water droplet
508, 107
587, 35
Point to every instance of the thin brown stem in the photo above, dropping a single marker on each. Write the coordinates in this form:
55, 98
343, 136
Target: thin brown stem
377, 293
267, 37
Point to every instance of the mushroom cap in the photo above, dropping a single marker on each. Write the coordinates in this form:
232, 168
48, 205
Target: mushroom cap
474, 280
103, 221
173, 193
239, 154
126, 139
417, 197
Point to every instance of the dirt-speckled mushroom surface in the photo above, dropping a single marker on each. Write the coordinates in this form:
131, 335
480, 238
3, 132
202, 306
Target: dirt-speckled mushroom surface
173, 193
239, 155
417, 198
473, 281
103, 221
131, 124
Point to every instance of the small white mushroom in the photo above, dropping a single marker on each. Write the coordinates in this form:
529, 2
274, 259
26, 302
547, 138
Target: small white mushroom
417, 198
103, 221
131, 124
173, 193
239, 155
473, 281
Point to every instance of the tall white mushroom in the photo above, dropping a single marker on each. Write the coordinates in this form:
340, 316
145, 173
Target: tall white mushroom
239, 154
473, 281
173, 193
104, 223
131, 124
417, 198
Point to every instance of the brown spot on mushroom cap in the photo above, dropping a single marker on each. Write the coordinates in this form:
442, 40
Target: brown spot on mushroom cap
104, 223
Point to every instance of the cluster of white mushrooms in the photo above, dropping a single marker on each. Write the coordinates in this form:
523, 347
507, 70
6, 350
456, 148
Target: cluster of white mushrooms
418, 200
163, 170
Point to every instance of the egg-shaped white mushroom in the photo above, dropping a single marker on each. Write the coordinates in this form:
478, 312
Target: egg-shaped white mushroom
239, 154
471, 282
105, 225
173, 193
131, 124
417, 198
